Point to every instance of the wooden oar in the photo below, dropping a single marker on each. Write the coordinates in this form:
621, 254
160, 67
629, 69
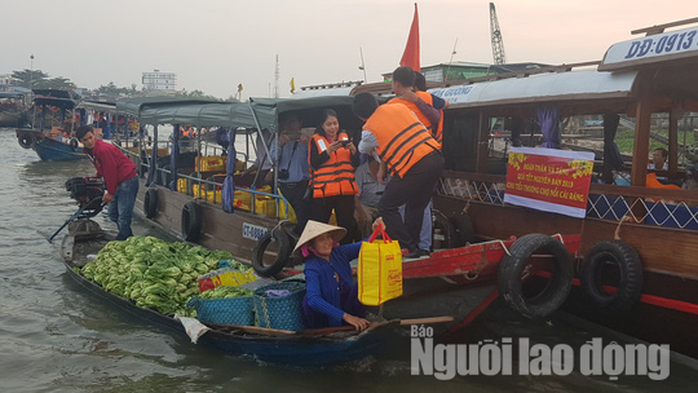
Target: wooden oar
252, 329
401, 322
318, 332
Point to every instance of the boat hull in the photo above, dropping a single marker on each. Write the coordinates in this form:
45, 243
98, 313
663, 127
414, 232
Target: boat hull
288, 350
668, 309
47, 148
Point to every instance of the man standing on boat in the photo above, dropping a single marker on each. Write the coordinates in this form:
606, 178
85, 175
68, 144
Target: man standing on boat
394, 135
293, 169
120, 177
422, 104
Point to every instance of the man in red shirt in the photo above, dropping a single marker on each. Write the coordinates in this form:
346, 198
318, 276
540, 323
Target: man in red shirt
120, 176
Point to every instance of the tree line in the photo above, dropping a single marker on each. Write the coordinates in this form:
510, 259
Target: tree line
37, 79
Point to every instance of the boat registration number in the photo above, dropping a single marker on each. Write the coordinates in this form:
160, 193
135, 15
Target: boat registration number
253, 232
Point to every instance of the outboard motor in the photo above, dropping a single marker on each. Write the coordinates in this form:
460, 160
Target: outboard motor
86, 191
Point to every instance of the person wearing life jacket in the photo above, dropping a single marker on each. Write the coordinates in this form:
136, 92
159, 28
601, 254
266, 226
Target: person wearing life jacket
394, 135
420, 85
419, 102
424, 105
333, 159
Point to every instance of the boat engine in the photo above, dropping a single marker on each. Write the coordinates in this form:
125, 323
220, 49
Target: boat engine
86, 191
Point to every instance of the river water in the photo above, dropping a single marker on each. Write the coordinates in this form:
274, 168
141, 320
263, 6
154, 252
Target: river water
56, 338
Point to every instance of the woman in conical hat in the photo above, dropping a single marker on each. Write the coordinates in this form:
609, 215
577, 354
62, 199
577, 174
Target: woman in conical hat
331, 295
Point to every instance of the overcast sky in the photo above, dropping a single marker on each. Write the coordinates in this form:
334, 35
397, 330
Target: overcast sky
212, 45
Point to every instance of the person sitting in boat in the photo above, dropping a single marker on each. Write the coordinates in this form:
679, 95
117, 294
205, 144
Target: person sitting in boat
262, 163
331, 297
659, 160
119, 174
291, 151
370, 191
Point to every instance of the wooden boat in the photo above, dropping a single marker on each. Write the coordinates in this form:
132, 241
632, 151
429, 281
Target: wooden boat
186, 202
653, 80
14, 104
50, 140
306, 349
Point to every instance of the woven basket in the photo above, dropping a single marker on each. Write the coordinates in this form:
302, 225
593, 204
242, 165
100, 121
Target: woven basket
231, 311
280, 312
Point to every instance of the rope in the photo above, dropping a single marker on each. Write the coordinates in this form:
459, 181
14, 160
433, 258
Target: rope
625, 218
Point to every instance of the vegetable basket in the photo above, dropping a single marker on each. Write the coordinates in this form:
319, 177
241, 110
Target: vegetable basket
279, 305
227, 311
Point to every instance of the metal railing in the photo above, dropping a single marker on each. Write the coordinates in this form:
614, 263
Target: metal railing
652, 208
204, 189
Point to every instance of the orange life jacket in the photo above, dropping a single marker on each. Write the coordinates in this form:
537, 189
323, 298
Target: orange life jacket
426, 97
651, 181
336, 175
402, 139
438, 133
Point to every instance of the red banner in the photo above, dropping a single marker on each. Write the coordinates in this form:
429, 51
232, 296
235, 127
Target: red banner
551, 180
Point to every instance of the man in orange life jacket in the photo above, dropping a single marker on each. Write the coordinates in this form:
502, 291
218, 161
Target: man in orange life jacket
419, 102
423, 105
394, 135
420, 85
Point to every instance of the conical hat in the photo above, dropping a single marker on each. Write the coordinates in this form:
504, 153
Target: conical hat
314, 229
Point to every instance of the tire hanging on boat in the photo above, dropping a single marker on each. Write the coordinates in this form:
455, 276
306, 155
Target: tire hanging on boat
464, 230
74, 144
192, 221
284, 246
512, 269
26, 140
443, 231
625, 260
150, 203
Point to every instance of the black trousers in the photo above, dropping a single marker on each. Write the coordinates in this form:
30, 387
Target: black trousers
343, 206
414, 190
294, 192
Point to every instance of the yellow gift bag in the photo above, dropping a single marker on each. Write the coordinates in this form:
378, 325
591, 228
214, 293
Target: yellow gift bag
380, 269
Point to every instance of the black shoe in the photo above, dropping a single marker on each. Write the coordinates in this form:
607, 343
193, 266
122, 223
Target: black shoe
424, 253
413, 254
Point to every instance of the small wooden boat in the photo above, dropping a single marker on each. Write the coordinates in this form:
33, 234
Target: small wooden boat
310, 348
48, 140
14, 103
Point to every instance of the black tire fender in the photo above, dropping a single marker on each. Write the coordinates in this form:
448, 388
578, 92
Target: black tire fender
26, 140
192, 222
73, 144
284, 241
629, 288
150, 203
512, 268
464, 230
442, 226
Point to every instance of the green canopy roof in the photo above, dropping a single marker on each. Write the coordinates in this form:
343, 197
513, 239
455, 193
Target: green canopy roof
134, 106
232, 114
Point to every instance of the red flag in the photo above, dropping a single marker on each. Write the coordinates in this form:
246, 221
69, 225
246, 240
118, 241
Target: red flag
411, 56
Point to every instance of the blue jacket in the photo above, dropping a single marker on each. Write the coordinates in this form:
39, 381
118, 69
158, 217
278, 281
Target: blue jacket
322, 288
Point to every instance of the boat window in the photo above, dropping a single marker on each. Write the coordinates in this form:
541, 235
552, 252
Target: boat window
460, 141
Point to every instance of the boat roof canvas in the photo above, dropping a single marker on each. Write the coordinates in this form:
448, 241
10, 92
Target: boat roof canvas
134, 106
97, 106
541, 88
235, 114
11, 94
224, 114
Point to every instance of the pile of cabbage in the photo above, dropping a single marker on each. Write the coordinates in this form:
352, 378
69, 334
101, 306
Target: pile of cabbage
154, 273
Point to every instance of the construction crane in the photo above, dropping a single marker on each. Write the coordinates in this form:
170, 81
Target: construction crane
497, 43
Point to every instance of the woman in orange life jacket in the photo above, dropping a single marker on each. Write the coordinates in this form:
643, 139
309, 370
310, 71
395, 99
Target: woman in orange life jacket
333, 159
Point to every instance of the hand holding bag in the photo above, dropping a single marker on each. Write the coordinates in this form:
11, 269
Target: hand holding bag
380, 269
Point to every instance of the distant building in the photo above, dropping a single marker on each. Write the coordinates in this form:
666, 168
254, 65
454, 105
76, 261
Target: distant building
459, 71
159, 81
8, 80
